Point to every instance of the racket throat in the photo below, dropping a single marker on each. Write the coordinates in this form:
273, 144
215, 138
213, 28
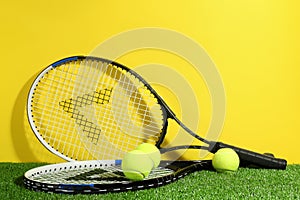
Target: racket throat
192, 133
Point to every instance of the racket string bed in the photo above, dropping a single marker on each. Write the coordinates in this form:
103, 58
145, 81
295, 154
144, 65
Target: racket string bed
70, 106
96, 103
86, 177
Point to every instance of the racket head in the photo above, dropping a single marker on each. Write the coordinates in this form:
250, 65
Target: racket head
88, 108
88, 177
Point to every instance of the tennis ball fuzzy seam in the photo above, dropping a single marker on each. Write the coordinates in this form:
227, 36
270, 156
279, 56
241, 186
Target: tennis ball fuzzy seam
138, 162
152, 151
143, 174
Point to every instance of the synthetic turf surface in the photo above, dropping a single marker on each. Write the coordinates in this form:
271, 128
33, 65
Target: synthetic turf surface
243, 184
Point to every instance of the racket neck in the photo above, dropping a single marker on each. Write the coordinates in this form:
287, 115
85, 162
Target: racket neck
170, 114
191, 132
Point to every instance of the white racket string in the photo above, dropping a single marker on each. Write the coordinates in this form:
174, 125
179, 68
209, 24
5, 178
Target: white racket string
112, 111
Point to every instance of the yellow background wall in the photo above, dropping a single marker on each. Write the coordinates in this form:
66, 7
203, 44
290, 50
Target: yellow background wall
255, 45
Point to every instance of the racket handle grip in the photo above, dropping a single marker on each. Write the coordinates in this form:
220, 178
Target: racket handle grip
250, 158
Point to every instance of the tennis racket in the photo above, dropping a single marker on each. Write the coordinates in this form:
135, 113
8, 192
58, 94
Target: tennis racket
89, 108
87, 177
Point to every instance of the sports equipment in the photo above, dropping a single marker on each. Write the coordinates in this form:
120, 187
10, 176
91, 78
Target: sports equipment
87, 108
88, 177
225, 160
152, 151
136, 165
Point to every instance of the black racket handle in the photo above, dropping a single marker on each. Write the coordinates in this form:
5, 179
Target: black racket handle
250, 158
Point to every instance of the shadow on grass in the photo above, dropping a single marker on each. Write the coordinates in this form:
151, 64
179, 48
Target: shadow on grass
19, 181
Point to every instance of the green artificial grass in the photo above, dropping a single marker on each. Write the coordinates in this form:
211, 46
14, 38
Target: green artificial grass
243, 184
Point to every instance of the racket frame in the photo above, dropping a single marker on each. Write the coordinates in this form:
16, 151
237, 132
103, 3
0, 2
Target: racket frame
180, 169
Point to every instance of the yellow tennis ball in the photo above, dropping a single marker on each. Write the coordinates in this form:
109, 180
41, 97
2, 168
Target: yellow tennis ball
136, 165
152, 151
226, 160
